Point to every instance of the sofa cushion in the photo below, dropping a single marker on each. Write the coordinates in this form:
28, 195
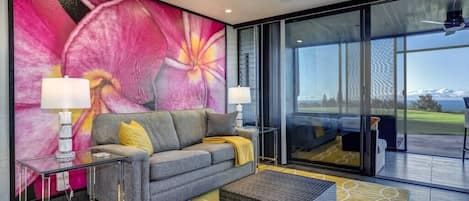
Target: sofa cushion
170, 163
188, 177
159, 126
218, 152
221, 124
191, 126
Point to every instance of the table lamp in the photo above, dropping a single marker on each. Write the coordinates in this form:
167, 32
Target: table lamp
64, 94
239, 95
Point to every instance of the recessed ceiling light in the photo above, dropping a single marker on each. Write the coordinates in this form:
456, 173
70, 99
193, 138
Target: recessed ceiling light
228, 11
299, 41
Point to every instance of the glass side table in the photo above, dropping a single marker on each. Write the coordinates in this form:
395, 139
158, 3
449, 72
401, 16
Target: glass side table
47, 166
266, 130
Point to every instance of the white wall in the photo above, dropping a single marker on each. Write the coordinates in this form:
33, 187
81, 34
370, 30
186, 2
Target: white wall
232, 60
4, 145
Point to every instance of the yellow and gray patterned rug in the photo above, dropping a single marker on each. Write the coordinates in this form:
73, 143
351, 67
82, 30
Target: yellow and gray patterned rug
330, 153
347, 189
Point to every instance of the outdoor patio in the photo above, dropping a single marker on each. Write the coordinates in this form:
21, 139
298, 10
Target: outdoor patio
437, 145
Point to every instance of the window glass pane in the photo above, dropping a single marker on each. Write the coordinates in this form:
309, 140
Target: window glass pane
352, 78
323, 63
247, 62
428, 70
399, 44
401, 104
318, 78
382, 76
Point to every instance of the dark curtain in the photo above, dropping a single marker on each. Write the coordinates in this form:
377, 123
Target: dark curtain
270, 75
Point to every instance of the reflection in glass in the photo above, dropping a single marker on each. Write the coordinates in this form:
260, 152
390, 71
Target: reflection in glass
323, 75
248, 74
321, 93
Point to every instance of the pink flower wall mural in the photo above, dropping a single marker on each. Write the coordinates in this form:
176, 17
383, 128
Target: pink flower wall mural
139, 56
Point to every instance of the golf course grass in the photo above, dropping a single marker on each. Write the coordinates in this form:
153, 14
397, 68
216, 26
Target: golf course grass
440, 123
418, 122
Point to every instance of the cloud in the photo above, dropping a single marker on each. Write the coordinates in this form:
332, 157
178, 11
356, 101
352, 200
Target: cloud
443, 93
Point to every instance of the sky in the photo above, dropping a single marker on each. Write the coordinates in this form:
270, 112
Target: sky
438, 69
318, 71
435, 69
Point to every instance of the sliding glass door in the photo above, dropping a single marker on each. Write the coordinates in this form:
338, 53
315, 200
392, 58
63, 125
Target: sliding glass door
420, 76
314, 84
323, 77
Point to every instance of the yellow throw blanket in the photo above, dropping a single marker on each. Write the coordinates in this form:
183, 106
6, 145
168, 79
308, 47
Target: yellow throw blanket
244, 150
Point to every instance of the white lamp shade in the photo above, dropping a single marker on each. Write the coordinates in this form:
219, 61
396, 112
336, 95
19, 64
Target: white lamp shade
239, 95
65, 93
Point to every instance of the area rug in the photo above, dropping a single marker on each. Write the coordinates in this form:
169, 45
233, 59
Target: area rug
347, 189
330, 153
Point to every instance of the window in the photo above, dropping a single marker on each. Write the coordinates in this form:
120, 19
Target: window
247, 62
318, 79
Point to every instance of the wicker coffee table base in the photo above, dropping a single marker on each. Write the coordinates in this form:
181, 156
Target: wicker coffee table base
277, 186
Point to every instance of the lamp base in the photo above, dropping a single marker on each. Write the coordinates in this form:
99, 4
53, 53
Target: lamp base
239, 118
65, 156
65, 144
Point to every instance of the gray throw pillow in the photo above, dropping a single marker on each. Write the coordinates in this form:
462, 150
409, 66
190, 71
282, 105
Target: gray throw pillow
221, 124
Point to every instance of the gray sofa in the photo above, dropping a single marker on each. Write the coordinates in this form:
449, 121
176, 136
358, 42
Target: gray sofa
181, 168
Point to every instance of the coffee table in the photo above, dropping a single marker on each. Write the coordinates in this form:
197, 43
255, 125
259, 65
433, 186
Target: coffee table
277, 186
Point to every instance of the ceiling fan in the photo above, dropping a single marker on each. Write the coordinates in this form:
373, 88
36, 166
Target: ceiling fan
454, 18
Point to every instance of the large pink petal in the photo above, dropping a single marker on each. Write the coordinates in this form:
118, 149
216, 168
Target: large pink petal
180, 27
34, 126
204, 85
203, 27
58, 22
35, 134
120, 38
195, 66
216, 97
212, 59
213, 53
39, 40
175, 90
117, 103
171, 23
109, 101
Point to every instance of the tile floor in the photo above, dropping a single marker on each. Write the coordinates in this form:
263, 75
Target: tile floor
417, 192
435, 170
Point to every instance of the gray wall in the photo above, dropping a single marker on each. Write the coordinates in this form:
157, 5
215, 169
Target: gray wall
4, 150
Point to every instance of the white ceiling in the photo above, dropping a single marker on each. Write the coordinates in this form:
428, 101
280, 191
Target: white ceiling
247, 10
390, 19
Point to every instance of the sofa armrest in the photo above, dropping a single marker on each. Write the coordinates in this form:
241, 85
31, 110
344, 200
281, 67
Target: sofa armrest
136, 171
253, 135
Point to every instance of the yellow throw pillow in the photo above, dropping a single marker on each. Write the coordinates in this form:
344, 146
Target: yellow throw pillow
135, 135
